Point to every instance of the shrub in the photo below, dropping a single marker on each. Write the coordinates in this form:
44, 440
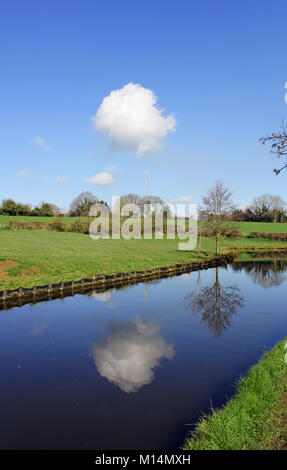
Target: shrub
54, 226
37, 225
57, 226
17, 225
80, 226
232, 233
229, 232
270, 236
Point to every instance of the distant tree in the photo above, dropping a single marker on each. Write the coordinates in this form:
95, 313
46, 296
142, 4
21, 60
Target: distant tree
157, 204
9, 207
131, 198
56, 210
44, 210
80, 206
217, 203
266, 208
216, 207
277, 208
278, 141
154, 203
103, 202
238, 215
23, 209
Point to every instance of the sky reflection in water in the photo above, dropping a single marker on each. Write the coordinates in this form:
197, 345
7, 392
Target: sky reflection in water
129, 368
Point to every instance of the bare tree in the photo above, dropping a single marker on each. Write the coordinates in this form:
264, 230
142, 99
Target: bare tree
266, 208
216, 206
154, 203
278, 141
218, 201
217, 304
157, 204
81, 205
56, 210
277, 207
132, 198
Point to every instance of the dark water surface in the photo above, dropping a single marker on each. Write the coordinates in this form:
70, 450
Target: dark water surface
133, 368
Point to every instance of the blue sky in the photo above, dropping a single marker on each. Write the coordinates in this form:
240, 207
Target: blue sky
218, 66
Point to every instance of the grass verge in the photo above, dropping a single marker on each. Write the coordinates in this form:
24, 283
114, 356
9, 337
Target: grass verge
256, 417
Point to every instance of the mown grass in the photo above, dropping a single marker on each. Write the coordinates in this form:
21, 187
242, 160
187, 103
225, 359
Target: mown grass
256, 418
67, 256
44, 257
247, 227
4, 219
244, 227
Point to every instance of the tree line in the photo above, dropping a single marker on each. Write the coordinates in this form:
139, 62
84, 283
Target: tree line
45, 209
80, 206
265, 208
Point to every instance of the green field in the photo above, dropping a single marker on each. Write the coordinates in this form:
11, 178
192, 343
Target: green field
256, 417
67, 220
244, 227
247, 227
39, 257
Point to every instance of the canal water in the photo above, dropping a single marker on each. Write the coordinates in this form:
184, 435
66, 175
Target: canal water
134, 368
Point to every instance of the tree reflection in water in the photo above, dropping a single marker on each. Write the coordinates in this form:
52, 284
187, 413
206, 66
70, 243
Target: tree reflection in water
216, 304
266, 273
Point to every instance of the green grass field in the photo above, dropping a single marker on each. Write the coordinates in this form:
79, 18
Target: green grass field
39, 257
247, 227
256, 417
67, 220
42, 257
244, 227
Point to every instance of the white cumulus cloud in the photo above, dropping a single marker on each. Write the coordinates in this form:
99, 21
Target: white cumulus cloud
133, 120
101, 179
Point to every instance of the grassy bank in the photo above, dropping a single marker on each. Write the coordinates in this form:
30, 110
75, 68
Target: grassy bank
29, 257
40, 257
256, 418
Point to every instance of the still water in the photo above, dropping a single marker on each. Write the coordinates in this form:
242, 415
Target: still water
133, 368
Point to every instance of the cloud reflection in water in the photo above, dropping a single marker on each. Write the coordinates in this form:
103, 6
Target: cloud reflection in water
129, 354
